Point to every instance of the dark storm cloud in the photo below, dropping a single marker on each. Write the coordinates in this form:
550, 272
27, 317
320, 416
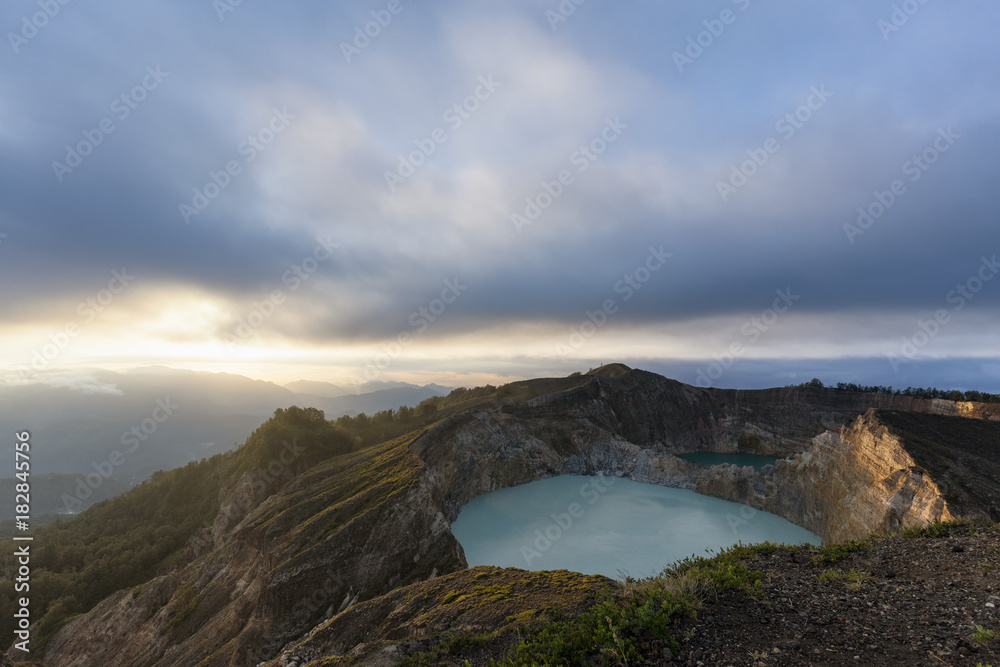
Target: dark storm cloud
783, 229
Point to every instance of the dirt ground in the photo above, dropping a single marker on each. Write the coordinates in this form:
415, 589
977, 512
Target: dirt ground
907, 602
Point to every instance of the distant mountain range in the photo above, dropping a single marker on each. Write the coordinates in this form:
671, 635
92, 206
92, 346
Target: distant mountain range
329, 390
160, 418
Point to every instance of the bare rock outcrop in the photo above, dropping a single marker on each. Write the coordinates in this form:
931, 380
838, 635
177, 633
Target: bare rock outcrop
847, 485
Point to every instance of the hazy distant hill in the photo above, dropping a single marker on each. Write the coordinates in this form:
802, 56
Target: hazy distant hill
330, 390
78, 422
386, 399
47, 490
324, 389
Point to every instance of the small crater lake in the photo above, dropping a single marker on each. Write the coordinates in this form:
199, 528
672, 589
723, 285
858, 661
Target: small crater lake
709, 459
609, 526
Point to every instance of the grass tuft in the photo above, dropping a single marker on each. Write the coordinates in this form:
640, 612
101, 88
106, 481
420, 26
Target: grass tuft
830, 554
984, 636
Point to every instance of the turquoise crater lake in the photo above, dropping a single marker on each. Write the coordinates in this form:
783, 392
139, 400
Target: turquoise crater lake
609, 526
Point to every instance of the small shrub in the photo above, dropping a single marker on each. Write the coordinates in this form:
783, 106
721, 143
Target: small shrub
186, 602
984, 636
461, 642
834, 553
935, 530
854, 577
950, 528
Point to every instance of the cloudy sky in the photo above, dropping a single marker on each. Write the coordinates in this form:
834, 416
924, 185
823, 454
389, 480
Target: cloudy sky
736, 192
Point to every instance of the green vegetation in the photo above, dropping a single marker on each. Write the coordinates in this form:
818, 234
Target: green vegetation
187, 601
8, 527
943, 529
482, 595
463, 642
855, 578
47, 492
984, 636
830, 554
916, 392
641, 611
128, 540
935, 530
115, 544
928, 392
388, 424
645, 610
300, 434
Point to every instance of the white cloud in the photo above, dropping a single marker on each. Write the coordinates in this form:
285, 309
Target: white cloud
81, 382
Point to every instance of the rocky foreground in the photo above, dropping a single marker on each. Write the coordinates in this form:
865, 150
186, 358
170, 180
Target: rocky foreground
899, 602
927, 599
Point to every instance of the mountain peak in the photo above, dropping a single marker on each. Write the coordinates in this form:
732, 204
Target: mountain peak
610, 370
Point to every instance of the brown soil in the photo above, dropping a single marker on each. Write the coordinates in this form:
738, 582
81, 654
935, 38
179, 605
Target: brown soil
920, 604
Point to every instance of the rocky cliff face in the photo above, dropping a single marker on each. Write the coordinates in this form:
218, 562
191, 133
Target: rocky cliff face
274, 566
847, 485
